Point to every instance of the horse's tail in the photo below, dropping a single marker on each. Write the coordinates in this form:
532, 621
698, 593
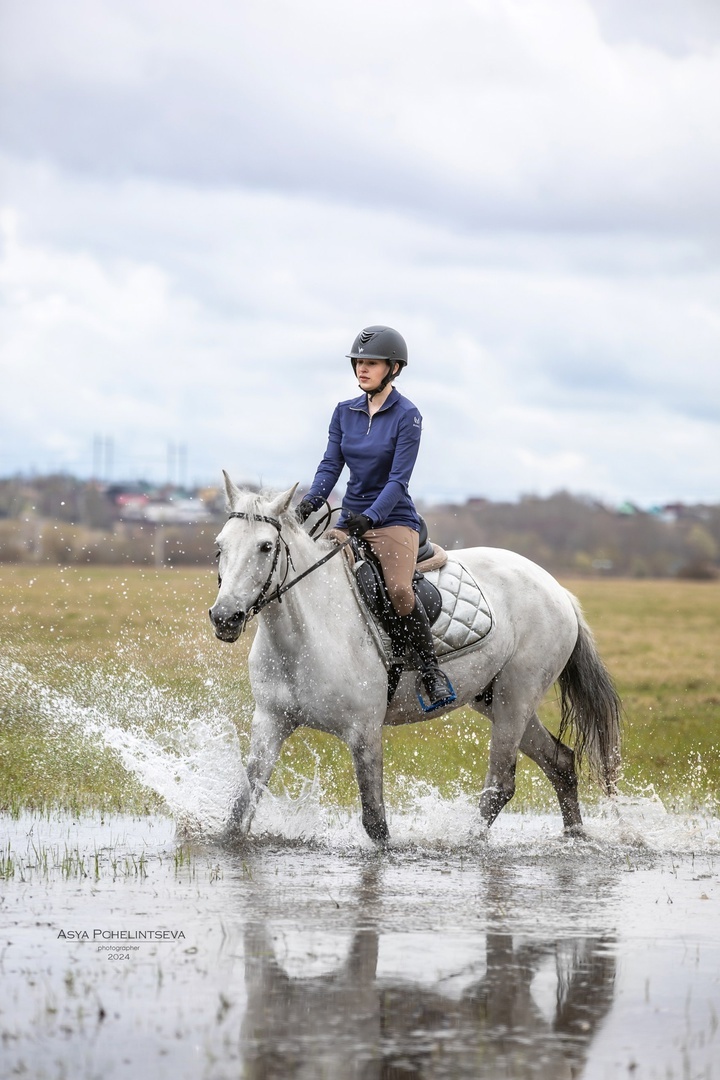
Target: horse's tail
590, 706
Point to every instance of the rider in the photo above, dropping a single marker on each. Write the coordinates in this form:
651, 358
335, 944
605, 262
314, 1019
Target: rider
378, 436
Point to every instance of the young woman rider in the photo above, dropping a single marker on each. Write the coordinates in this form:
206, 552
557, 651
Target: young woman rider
377, 435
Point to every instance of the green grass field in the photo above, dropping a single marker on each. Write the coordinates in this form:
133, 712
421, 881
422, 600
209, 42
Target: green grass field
74, 634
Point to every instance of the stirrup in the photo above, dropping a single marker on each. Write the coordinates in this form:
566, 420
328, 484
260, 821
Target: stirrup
448, 699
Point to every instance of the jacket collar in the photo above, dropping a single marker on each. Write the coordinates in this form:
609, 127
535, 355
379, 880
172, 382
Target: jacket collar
359, 404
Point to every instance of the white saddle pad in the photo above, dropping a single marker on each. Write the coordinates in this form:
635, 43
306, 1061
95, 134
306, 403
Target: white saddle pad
465, 618
462, 624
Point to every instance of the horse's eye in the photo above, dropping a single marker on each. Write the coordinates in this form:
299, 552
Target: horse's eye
266, 546
217, 554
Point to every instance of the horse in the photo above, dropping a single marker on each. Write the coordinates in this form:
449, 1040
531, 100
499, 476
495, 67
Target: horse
315, 663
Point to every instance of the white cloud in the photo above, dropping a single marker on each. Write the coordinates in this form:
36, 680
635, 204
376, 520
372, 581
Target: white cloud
480, 113
674, 28
205, 205
230, 336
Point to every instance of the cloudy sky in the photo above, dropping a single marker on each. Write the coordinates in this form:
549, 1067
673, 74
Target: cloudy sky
202, 204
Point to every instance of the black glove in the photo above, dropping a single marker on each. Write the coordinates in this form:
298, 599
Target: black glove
358, 524
303, 510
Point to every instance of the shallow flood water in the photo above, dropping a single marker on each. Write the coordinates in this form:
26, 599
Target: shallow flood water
307, 954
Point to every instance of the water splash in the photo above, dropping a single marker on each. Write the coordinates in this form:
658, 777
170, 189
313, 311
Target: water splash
193, 762
190, 755
623, 829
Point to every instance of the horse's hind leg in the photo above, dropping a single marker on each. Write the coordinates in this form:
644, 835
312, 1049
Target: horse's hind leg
557, 761
508, 712
512, 732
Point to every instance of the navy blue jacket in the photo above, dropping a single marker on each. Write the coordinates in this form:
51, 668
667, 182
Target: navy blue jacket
380, 452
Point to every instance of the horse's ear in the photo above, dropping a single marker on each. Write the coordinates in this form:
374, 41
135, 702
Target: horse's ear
232, 493
280, 503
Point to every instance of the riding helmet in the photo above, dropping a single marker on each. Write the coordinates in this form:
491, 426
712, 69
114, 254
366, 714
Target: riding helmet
380, 343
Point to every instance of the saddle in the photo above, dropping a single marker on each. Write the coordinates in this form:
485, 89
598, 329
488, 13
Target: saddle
371, 583
457, 610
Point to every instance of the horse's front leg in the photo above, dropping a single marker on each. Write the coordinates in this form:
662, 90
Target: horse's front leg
267, 735
367, 754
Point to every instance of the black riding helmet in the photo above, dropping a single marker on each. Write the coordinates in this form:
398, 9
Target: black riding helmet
380, 343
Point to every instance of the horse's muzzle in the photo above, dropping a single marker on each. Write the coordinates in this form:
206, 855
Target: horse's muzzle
227, 627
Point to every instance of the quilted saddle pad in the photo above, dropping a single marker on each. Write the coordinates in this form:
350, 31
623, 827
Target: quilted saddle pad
466, 617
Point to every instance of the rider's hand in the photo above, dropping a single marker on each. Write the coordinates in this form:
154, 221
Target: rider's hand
358, 524
303, 510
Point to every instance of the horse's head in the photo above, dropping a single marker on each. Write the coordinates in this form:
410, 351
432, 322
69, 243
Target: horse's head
249, 556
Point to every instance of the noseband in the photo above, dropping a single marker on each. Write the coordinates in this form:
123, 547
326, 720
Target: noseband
263, 599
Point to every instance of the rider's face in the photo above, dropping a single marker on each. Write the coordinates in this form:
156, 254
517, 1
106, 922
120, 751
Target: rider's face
370, 373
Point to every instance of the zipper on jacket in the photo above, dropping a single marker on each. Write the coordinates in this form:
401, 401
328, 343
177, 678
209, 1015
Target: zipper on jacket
370, 416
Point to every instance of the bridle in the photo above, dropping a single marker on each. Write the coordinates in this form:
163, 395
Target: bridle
263, 598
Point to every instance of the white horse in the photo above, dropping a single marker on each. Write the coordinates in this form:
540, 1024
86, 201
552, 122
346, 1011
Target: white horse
314, 663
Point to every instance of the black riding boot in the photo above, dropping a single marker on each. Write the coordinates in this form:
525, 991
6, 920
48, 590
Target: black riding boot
395, 626
418, 635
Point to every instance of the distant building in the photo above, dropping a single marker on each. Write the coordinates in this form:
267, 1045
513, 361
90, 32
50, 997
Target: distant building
177, 512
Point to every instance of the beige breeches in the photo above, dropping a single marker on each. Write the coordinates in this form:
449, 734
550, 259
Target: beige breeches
396, 547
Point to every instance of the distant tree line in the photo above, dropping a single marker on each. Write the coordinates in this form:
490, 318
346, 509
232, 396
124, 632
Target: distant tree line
63, 520
575, 535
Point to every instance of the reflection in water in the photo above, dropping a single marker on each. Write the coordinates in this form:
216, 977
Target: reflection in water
533, 1012
299, 962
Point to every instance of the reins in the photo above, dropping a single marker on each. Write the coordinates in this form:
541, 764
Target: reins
263, 600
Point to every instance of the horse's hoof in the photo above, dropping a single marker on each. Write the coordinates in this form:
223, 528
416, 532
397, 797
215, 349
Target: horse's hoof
234, 834
575, 832
378, 833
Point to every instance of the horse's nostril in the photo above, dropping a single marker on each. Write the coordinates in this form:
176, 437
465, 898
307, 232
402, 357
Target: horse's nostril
226, 622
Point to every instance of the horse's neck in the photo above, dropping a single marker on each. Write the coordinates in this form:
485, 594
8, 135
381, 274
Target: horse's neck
323, 597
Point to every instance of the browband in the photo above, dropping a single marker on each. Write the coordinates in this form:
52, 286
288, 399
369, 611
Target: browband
256, 517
